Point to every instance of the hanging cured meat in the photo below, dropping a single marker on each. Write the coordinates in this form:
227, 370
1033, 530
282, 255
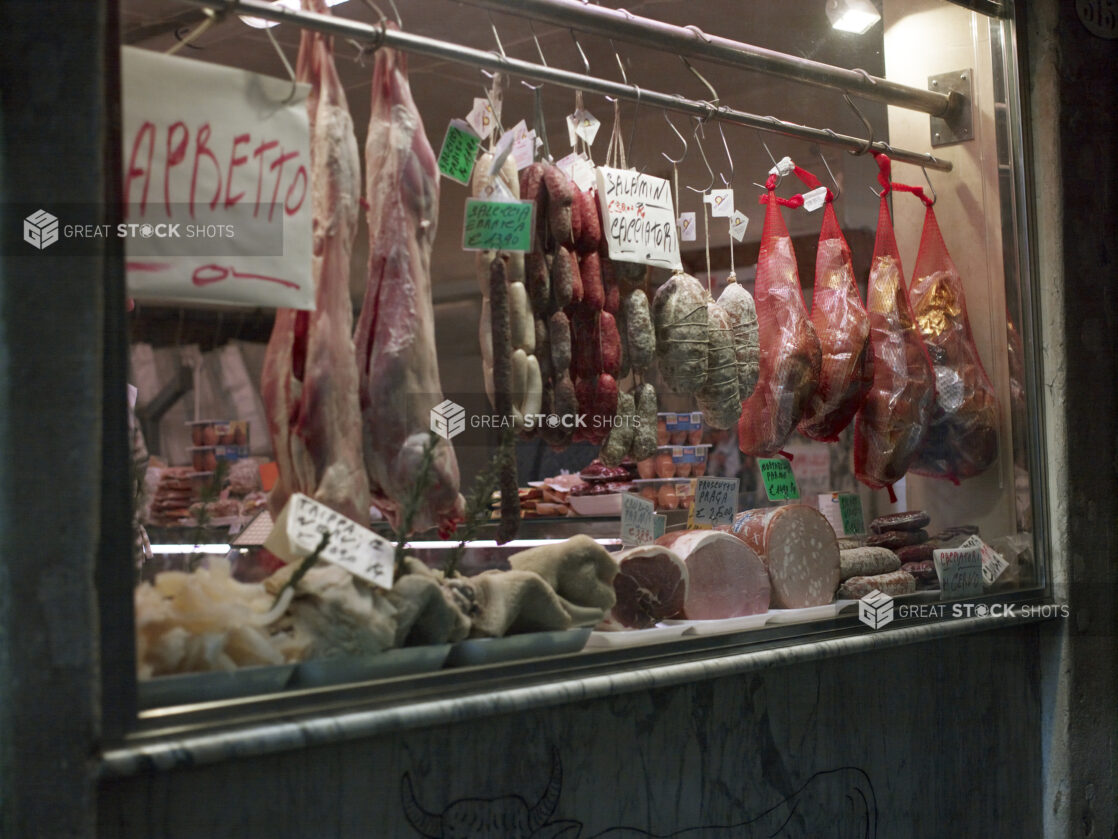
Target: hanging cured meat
790, 354
396, 331
893, 421
309, 384
843, 327
963, 434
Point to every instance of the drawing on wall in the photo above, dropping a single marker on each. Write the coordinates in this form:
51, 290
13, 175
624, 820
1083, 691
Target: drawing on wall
837, 803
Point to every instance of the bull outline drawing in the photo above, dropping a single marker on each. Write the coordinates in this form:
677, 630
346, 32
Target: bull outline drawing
511, 817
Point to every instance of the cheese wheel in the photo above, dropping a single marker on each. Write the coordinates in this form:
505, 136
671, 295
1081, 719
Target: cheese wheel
799, 548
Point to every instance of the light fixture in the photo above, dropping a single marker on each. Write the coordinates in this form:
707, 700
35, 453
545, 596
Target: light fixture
263, 23
855, 16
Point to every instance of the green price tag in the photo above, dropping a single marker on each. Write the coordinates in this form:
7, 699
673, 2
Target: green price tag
498, 225
780, 483
659, 524
460, 145
850, 508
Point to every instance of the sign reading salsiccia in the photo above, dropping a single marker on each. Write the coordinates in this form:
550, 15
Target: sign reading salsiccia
497, 225
639, 218
217, 192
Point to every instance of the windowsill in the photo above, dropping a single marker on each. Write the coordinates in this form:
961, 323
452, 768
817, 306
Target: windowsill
191, 735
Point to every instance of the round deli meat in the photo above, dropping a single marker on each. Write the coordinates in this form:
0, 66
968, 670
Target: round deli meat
651, 586
799, 548
726, 578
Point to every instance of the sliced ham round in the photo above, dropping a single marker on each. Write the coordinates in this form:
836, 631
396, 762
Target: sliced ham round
800, 550
726, 578
651, 585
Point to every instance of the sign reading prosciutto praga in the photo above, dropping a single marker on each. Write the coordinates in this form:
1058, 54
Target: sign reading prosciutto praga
217, 193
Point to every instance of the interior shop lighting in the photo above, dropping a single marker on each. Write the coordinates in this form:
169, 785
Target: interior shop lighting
855, 16
261, 23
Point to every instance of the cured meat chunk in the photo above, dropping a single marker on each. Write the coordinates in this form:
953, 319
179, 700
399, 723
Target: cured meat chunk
799, 548
843, 328
963, 431
651, 585
863, 562
679, 311
790, 353
893, 583
718, 398
395, 340
738, 305
726, 578
309, 381
891, 426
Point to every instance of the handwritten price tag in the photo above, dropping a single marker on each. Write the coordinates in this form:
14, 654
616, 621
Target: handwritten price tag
850, 508
993, 563
714, 503
299, 528
959, 571
459, 151
639, 220
637, 526
497, 225
659, 525
780, 483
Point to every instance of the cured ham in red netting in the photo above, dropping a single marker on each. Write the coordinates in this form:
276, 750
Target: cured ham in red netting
893, 422
963, 434
790, 354
843, 328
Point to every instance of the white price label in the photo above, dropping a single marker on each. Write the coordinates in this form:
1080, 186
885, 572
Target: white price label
815, 199
738, 223
637, 522
524, 151
783, 168
583, 124
687, 227
959, 571
721, 202
299, 529
993, 563
481, 118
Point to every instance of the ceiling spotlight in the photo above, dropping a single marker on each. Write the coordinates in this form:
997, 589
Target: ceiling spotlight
262, 23
855, 16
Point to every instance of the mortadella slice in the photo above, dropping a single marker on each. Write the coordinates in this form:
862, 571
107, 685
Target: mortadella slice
651, 586
800, 550
726, 578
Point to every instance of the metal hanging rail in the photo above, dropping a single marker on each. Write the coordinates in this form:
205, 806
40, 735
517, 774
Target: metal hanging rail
692, 42
379, 35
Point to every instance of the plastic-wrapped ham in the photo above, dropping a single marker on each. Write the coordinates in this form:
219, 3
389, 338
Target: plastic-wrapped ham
893, 421
843, 327
963, 433
800, 550
726, 578
790, 354
651, 586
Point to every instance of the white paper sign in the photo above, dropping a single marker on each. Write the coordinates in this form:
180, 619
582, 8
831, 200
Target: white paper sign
715, 502
583, 124
783, 168
578, 169
993, 563
639, 218
687, 227
481, 118
298, 531
815, 199
738, 223
636, 520
959, 571
721, 202
216, 184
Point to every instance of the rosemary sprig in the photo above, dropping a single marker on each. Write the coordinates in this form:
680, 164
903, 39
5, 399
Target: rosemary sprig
478, 501
414, 500
303, 568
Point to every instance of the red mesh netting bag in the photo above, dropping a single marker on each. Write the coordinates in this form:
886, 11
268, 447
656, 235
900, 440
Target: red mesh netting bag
790, 354
962, 436
893, 422
843, 327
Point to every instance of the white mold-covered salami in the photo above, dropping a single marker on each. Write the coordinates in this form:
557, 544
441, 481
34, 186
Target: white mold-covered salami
867, 562
738, 304
799, 548
726, 578
651, 585
893, 583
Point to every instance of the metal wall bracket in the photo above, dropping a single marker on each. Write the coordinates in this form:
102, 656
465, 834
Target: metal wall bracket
957, 125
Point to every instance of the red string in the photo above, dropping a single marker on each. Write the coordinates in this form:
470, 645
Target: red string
884, 177
786, 454
892, 495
